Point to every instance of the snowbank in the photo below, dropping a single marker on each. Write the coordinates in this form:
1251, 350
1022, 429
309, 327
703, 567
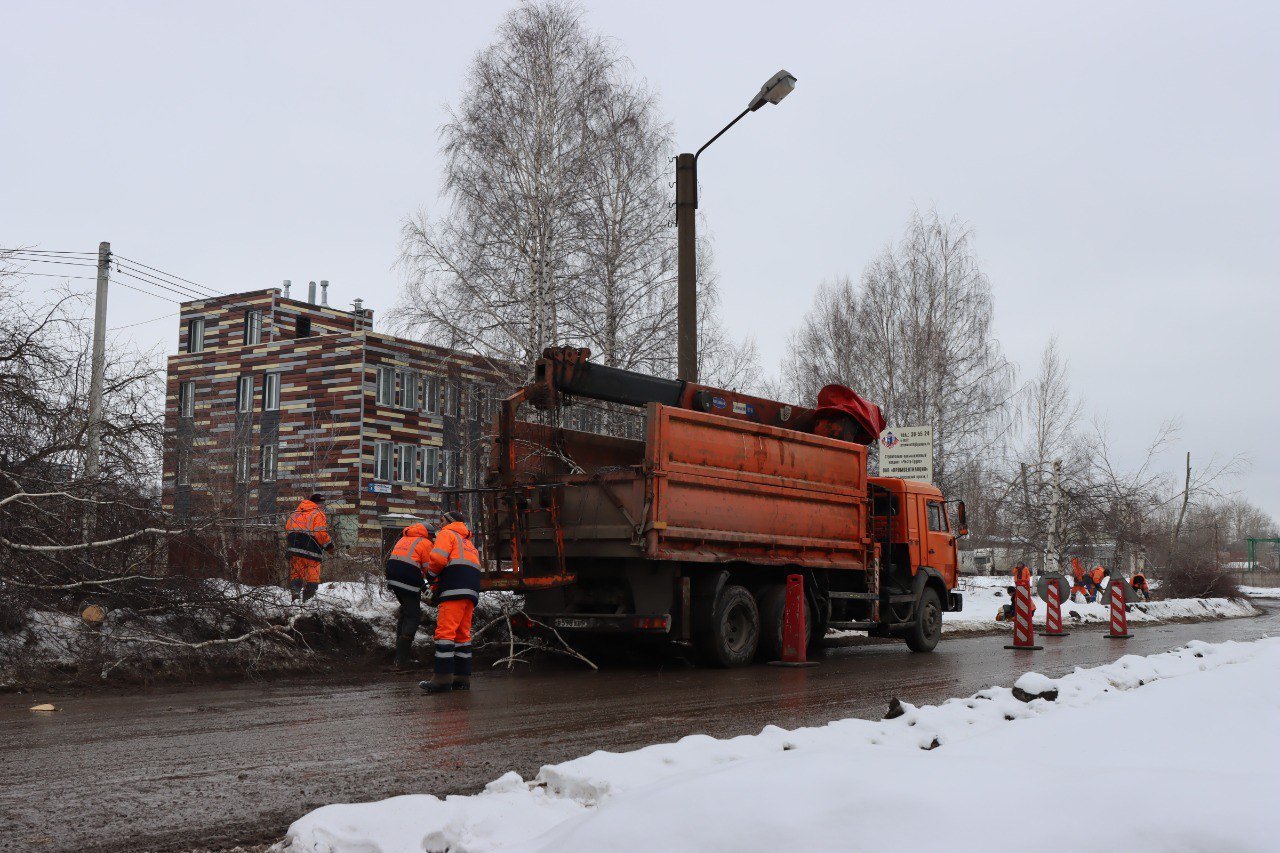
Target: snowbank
1261, 591
984, 596
1185, 762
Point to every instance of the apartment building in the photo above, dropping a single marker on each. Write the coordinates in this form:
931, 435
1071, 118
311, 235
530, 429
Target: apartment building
271, 398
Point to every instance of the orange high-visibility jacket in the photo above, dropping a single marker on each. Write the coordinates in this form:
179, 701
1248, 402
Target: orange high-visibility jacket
1097, 575
308, 531
1138, 582
410, 559
1077, 569
1021, 575
455, 564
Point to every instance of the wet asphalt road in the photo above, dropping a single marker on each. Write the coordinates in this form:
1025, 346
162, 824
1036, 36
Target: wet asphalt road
214, 767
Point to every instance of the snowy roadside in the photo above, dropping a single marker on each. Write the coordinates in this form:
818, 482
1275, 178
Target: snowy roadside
1261, 591
984, 596
1183, 743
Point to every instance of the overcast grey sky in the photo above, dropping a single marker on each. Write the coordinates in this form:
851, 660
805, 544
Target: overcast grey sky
1118, 163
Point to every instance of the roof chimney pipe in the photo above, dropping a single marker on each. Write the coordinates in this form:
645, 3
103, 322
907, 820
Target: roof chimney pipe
324, 292
311, 292
287, 284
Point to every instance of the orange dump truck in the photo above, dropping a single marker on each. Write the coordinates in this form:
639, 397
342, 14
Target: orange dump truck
690, 532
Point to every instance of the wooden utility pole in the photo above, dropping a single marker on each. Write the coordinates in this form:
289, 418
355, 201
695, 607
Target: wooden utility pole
1051, 561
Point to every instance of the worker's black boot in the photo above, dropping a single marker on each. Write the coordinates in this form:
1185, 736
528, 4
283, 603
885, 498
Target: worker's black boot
439, 683
404, 653
309, 592
295, 591
462, 682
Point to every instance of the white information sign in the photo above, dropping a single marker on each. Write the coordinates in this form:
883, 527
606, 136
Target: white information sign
907, 452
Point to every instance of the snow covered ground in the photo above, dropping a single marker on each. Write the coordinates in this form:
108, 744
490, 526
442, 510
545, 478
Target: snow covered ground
984, 596
1261, 591
1176, 751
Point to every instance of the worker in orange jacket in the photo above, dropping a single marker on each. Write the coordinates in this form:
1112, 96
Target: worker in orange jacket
1079, 585
1095, 578
1140, 585
307, 538
1021, 574
454, 575
407, 568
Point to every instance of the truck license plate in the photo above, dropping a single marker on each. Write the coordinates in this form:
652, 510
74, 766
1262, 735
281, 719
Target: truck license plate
572, 623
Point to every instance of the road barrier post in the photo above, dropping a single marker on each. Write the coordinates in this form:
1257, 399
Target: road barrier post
1119, 622
1024, 633
1053, 613
793, 629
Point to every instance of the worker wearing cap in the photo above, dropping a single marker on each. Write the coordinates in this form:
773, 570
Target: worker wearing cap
407, 567
1140, 585
454, 575
1096, 576
1021, 574
307, 538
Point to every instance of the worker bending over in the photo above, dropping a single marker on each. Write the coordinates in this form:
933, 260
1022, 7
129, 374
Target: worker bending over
454, 575
1140, 585
1079, 585
306, 540
1006, 611
1095, 578
407, 568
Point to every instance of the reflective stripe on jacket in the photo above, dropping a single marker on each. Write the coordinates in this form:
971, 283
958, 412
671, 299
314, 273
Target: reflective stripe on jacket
455, 564
407, 564
307, 531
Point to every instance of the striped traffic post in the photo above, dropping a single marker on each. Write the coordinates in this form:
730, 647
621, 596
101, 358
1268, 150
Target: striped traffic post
1119, 622
1024, 632
1053, 616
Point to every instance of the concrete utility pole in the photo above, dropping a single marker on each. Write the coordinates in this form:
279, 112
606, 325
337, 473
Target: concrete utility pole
778, 87
99, 363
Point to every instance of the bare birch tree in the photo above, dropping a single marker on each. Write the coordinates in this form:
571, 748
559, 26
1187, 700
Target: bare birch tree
915, 336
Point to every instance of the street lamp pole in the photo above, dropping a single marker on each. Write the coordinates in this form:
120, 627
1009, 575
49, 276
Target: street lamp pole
777, 88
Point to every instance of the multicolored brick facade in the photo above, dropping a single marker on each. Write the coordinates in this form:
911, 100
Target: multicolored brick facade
285, 398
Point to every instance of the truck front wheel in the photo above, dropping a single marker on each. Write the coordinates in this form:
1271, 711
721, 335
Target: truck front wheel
926, 628
735, 629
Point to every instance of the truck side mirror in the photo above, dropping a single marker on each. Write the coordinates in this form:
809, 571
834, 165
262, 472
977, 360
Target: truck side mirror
964, 522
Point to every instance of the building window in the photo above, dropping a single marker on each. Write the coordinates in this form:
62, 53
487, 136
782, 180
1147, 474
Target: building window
271, 392
427, 461
302, 328
451, 398
386, 386
244, 393
186, 399
269, 462
448, 468
479, 402
243, 463
406, 389
430, 394
382, 461
406, 461
195, 335
252, 327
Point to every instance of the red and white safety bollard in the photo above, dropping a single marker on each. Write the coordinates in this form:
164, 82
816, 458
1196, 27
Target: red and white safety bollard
1053, 616
1119, 622
793, 631
1024, 632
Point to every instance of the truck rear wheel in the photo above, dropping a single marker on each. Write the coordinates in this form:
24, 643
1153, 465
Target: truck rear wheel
772, 605
735, 629
926, 628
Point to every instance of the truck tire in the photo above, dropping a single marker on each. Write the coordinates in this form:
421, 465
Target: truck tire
735, 629
772, 603
926, 627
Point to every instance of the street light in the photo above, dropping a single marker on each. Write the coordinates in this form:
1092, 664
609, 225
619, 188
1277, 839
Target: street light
778, 87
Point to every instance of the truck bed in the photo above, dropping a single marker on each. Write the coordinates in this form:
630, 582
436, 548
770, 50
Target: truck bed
700, 488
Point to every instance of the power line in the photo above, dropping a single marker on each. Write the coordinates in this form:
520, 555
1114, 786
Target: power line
56, 275
157, 283
170, 275
49, 252
17, 256
148, 293
143, 322
146, 276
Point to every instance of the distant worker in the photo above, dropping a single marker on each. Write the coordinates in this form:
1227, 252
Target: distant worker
1096, 576
1021, 574
306, 541
1140, 585
407, 568
1079, 584
454, 574
1006, 612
